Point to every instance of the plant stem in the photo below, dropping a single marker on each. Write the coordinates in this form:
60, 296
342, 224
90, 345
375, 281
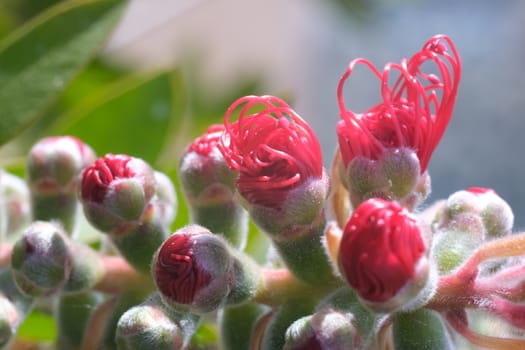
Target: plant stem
279, 286
119, 276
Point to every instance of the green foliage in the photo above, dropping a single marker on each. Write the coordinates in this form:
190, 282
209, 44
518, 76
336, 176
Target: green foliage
39, 59
38, 326
125, 107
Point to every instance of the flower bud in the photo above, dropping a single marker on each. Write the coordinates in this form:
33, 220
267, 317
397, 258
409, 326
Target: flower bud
208, 184
165, 199
192, 270
87, 269
41, 260
416, 107
116, 190
275, 152
9, 319
496, 214
15, 203
147, 327
203, 168
54, 163
327, 329
53, 166
383, 255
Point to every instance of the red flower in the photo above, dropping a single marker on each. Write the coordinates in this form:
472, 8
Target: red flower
105, 172
177, 274
414, 111
380, 248
273, 149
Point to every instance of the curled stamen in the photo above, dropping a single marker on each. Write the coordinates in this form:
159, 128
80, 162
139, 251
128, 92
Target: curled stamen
271, 146
414, 111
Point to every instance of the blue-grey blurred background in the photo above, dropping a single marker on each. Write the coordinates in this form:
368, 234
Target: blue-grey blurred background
300, 48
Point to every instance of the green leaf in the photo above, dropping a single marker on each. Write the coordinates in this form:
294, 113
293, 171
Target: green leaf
135, 111
38, 326
42, 57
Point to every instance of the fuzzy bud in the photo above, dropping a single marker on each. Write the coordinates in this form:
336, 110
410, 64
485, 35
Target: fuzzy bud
147, 327
54, 163
41, 260
281, 177
15, 202
116, 190
205, 176
327, 329
9, 320
165, 199
192, 270
494, 213
383, 255
208, 184
53, 166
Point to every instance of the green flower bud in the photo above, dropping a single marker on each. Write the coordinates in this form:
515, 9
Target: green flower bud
9, 320
87, 269
54, 163
202, 166
165, 199
15, 203
494, 214
327, 329
147, 327
41, 260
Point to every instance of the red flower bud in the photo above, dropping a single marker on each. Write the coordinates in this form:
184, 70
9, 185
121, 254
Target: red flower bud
274, 149
381, 250
177, 273
414, 111
205, 176
192, 268
116, 189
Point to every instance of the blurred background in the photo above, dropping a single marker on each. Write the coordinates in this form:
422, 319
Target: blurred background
298, 49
